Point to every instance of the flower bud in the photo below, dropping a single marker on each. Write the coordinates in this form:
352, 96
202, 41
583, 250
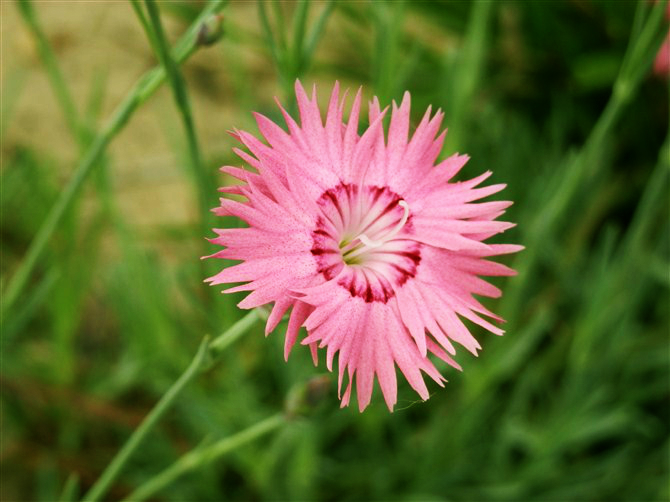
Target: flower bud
211, 30
304, 399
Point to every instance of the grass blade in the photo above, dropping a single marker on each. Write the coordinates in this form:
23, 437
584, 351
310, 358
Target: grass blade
207, 353
200, 457
180, 94
48, 57
140, 92
314, 36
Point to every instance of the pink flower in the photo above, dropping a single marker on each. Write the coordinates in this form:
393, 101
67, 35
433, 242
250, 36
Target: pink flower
662, 60
365, 240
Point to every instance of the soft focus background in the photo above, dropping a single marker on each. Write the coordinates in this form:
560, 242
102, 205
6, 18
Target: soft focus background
571, 404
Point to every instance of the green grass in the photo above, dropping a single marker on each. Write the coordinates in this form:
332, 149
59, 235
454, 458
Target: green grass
101, 315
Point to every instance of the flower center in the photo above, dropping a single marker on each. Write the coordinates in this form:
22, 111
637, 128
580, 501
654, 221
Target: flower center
361, 238
353, 252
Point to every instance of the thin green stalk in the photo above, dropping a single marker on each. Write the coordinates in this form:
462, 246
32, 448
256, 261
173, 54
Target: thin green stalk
465, 73
597, 314
638, 56
586, 163
281, 23
275, 49
388, 22
314, 36
178, 86
637, 59
99, 489
148, 30
657, 188
221, 342
140, 92
202, 456
55, 75
23, 313
81, 129
299, 23
267, 32
207, 353
69, 493
292, 58
638, 23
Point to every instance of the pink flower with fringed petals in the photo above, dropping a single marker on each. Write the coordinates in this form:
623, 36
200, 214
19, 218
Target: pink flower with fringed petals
365, 240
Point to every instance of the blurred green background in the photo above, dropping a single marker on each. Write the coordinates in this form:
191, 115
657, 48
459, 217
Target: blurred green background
557, 98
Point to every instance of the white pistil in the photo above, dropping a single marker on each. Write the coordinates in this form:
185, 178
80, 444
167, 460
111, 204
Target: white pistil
371, 244
375, 244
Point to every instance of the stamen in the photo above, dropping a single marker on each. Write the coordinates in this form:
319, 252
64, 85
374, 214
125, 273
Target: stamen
370, 244
375, 244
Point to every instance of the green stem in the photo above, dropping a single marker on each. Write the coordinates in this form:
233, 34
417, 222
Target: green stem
221, 342
82, 129
99, 489
388, 22
309, 45
203, 456
643, 219
49, 59
135, 4
586, 164
295, 55
140, 92
466, 73
69, 493
208, 352
180, 94
275, 48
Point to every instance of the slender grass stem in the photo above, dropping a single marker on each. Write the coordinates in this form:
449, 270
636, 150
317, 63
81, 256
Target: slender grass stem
629, 264
141, 91
280, 21
641, 50
221, 342
466, 74
53, 70
312, 39
295, 56
148, 30
292, 57
180, 94
69, 493
207, 353
388, 23
275, 48
99, 489
81, 128
643, 221
200, 457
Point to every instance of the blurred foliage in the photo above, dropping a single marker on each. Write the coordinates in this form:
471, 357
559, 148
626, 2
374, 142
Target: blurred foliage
572, 404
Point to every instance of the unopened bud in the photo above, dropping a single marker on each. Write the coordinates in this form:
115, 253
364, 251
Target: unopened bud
211, 30
305, 399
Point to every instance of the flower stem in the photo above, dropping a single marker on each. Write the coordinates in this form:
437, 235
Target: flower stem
205, 455
208, 352
221, 342
639, 55
176, 81
49, 60
141, 91
148, 30
464, 73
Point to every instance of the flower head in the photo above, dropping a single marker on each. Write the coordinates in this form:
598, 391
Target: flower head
662, 59
365, 239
